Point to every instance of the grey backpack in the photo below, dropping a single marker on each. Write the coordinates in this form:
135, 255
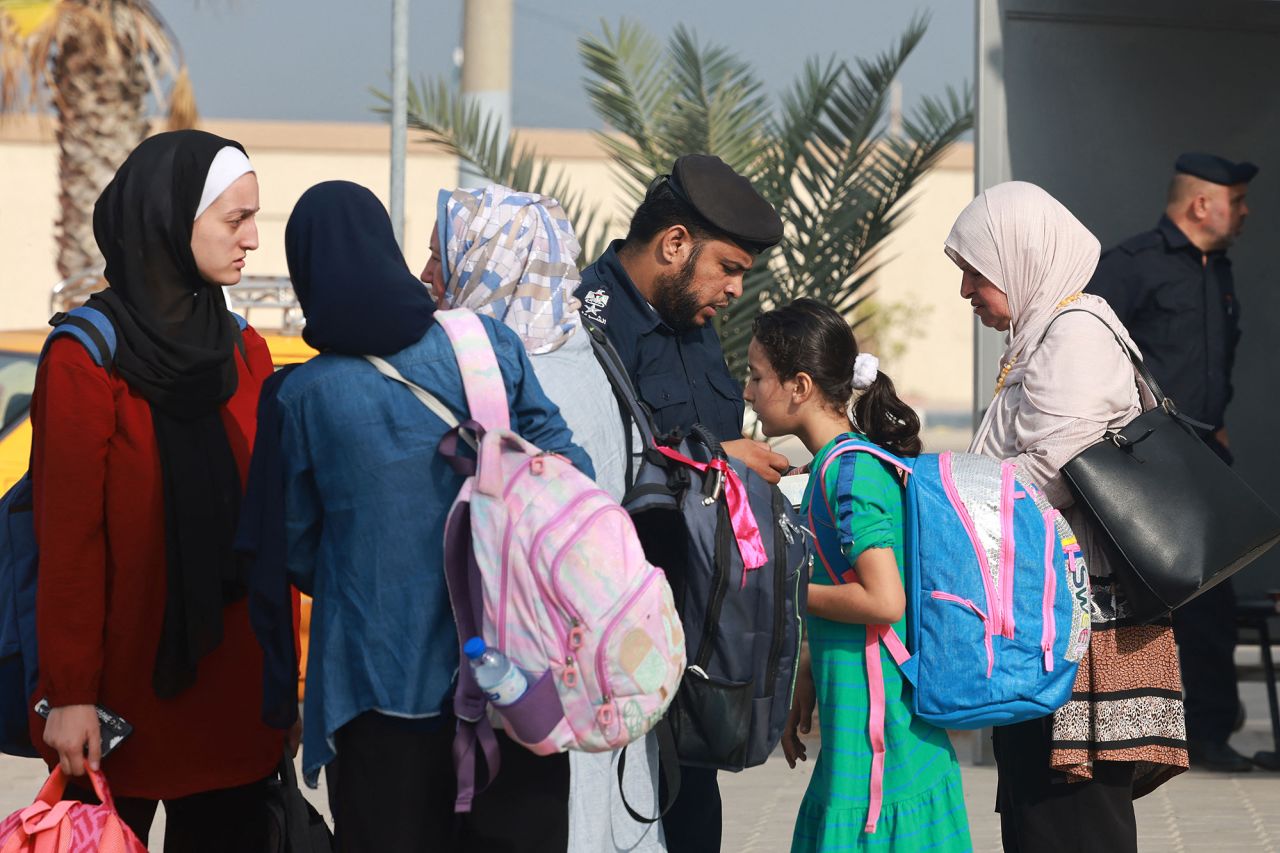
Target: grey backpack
742, 625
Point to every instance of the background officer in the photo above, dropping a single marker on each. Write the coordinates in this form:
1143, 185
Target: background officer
1172, 288
655, 293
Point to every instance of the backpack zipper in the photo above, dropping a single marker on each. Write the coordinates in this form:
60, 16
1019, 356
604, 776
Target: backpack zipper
986, 623
606, 713
1048, 635
779, 593
720, 584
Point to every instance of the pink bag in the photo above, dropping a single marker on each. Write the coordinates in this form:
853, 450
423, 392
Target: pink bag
54, 825
547, 568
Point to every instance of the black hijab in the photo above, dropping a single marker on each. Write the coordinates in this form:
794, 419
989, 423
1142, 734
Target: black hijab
358, 295
176, 345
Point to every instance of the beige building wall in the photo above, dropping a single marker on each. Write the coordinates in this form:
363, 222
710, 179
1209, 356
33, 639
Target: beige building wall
927, 341
929, 334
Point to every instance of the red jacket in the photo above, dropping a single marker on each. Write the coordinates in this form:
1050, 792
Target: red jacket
100, 527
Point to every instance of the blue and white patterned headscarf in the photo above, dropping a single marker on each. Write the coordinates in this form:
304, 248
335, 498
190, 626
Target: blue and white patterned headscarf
513, 256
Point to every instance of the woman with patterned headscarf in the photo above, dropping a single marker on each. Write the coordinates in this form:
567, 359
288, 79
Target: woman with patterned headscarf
1068, 781
513, 256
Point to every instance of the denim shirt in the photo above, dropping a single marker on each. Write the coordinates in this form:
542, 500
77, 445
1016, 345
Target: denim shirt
366, 496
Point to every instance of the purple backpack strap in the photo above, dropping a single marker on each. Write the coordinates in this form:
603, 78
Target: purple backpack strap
469, 701
481, 376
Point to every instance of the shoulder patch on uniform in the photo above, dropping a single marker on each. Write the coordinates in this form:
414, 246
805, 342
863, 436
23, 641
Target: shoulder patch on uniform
595, 304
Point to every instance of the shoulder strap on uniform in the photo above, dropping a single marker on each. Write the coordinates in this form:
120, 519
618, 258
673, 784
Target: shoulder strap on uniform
91, 328
481, 376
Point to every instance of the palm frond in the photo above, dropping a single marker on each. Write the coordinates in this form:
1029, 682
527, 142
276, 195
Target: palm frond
630, 89
461, 127
840, 183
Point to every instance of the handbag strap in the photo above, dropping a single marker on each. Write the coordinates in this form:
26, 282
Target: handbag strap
1139, 367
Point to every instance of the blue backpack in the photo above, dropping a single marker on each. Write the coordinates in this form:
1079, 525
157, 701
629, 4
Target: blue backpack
998, 609
19, 555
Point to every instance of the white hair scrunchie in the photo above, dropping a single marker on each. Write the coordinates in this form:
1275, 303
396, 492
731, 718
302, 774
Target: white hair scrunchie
865, 368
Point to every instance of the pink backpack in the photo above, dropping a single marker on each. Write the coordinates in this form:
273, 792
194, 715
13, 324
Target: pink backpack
54, 825
547, 568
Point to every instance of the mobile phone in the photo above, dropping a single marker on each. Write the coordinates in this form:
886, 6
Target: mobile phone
113, 727
793, 486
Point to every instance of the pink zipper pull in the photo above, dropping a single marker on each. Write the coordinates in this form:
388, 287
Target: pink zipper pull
1048, 660
576, 636
570, 676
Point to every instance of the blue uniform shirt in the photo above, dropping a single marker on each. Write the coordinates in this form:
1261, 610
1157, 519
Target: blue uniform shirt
682, 377
1180, 307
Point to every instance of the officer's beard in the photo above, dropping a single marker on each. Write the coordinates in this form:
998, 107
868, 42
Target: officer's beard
675, 298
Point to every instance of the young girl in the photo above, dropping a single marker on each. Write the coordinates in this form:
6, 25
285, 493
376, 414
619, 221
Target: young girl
805, 367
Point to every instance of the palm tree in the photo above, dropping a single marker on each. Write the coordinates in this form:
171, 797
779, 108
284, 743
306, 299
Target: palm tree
94, 62
821, 154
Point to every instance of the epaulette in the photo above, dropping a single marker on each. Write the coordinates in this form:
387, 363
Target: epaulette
1141, 243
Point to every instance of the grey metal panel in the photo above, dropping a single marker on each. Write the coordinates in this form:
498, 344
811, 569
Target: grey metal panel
1094, 101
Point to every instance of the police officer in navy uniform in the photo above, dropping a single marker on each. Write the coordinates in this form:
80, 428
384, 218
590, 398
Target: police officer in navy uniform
656, 293
1172, 288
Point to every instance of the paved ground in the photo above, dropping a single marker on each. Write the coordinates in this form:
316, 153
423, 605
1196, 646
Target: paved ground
1195, 812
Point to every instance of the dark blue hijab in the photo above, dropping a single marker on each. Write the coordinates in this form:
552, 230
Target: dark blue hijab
351, 279
359, 298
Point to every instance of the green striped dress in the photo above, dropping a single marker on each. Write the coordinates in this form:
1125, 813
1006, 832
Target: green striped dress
923, 803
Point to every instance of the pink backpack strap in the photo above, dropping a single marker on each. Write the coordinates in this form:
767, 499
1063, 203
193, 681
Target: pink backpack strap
481, 376
876, 634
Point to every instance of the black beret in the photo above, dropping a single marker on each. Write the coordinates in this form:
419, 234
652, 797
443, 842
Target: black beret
1215, 170
726, 200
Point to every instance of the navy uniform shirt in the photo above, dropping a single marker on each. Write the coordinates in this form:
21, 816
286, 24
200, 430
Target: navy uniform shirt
1182, 312
681, 376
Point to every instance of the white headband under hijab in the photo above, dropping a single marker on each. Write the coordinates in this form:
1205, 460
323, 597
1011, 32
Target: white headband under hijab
227, 167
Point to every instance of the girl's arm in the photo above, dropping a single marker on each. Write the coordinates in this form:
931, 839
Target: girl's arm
875, 597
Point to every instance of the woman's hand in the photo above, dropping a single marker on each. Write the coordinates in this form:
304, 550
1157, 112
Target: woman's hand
800, 720
70, 730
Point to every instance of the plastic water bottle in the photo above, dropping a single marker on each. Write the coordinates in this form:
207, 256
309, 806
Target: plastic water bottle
500, 679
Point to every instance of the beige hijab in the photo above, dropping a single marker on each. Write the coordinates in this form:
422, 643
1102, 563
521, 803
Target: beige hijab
1025, 242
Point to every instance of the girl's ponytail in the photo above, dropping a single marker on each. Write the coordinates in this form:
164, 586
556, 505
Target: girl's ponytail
811, 337
886, 419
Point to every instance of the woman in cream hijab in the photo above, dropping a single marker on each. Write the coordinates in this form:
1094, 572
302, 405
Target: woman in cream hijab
1062, 384
513, 256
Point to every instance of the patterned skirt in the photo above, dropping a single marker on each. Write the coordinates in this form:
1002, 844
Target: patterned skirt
1127, 701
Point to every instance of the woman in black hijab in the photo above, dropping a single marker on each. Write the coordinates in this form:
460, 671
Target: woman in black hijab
137, 474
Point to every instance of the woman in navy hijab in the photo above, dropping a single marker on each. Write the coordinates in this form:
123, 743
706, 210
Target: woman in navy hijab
364, 496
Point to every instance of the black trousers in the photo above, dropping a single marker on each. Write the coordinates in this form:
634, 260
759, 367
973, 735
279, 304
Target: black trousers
694, 822
1040, 812
1205, 630
208, 822
392, 789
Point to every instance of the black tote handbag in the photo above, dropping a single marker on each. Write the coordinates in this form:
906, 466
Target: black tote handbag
1180, 519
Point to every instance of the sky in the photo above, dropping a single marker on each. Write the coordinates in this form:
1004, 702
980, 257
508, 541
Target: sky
315, 60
